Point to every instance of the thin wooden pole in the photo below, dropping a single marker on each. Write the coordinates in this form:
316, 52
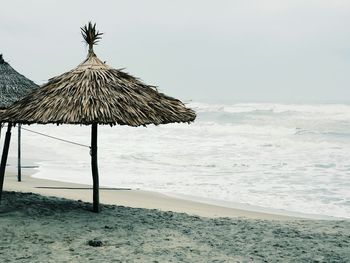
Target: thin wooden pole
19, 176
94, 168
5, 152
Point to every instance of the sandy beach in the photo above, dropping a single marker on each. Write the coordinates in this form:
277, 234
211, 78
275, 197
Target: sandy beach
38, 225
36, 228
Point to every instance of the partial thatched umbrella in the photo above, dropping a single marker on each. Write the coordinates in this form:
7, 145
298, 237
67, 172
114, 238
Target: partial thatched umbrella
13, 87
94, 93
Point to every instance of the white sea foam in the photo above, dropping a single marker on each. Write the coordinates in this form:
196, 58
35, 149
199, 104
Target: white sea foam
292, 157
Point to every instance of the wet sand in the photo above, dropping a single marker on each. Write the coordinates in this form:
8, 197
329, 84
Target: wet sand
131, 198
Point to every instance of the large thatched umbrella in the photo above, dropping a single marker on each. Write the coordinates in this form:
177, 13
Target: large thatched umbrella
94, 93
13, 87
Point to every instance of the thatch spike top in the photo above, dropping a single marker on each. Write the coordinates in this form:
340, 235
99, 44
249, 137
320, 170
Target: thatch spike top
91, 35
2, 61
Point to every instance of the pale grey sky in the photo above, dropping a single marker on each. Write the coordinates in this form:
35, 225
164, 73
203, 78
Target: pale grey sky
218, 51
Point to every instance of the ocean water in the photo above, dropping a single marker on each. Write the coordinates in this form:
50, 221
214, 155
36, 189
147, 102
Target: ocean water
283, 156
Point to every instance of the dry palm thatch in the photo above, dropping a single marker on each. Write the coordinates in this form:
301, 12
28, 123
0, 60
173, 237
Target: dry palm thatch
94, 92
13, 86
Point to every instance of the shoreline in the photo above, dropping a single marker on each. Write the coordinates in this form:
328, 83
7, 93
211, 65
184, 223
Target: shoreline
254, 208
148, 199
129, 198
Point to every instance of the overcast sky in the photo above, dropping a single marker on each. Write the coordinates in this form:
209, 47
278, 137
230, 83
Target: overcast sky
215, 51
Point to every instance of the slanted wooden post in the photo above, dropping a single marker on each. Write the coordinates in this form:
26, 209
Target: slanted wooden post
19, 175
94, 168
5, 152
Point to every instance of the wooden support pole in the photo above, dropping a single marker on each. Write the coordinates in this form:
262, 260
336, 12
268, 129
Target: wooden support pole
94, 168
5, 152
19, 166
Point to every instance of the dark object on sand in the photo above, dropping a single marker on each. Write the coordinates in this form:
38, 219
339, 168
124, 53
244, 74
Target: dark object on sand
95, 243
94, 93
13, 87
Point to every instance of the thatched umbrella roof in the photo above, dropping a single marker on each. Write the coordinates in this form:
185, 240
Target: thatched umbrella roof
13, 86
94, 93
